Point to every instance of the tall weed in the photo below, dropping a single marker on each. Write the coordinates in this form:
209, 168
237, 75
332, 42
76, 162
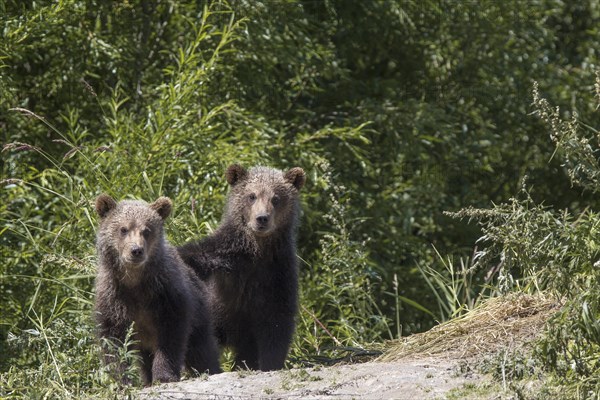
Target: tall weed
47, 240
540, 249
174, 140
457, 287
338, 312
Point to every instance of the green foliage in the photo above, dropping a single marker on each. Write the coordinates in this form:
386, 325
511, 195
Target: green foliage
175, 140
539, 249
338, 310
455, 287
48, 239
397, 111
579, 156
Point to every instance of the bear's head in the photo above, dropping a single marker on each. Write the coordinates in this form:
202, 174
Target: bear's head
131, 230
263, 199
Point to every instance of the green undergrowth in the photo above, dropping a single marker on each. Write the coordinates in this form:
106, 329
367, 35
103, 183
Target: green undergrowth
528, 250
396, 111
534, 248
176, 140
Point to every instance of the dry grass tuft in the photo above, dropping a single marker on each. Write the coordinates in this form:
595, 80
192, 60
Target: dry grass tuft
504, 322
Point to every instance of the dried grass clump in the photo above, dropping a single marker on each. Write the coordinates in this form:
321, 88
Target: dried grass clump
509, 321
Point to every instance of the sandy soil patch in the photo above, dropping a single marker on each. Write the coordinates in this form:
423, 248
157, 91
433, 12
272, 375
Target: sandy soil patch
408, 379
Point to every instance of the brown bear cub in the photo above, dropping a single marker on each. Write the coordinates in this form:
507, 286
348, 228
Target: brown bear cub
142, 279
250, 265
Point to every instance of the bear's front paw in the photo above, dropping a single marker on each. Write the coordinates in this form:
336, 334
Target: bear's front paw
164, 369
164, 377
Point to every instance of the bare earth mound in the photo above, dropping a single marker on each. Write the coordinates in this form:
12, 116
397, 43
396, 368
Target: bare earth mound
422, 366
410, 379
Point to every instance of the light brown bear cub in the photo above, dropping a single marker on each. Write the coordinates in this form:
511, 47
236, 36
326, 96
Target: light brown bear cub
142, 279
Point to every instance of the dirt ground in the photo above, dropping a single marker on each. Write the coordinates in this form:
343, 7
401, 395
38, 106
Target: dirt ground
429, 365
430, 378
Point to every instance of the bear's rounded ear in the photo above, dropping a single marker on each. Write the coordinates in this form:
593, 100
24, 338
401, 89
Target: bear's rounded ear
235, 173
104, 203
162, 206
296, 177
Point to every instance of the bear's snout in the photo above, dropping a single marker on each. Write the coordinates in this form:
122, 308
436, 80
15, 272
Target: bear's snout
262, 224
137, 251
262, 220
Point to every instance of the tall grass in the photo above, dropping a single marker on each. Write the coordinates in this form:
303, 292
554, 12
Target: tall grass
539, 249
175, 140
49, 348
457, 286
338, 313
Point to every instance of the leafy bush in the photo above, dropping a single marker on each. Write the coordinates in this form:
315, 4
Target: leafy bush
338, 310
540, 249
174, 141
415, 108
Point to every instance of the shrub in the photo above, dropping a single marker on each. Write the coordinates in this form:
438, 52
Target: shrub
175, 140
539, 249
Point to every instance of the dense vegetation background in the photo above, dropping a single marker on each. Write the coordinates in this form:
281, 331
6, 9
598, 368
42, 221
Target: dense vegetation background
397, 110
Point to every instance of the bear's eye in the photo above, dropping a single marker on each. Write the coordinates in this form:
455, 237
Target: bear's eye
275, 200
146, 232
124, 230
251, 198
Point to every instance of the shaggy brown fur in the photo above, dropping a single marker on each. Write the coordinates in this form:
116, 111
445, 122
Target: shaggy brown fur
142, 279
250, 265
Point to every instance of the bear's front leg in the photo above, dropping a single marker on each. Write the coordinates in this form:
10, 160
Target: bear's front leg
173, 331
274, 338
166, 366
202, 351
246, 352
169, 355
146, 367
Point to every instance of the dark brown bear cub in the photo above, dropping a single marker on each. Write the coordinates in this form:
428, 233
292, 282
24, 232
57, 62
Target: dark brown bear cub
250, 265
142, 279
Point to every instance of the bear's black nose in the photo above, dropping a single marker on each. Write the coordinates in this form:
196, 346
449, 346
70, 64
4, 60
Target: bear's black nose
262, 219
137, 251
